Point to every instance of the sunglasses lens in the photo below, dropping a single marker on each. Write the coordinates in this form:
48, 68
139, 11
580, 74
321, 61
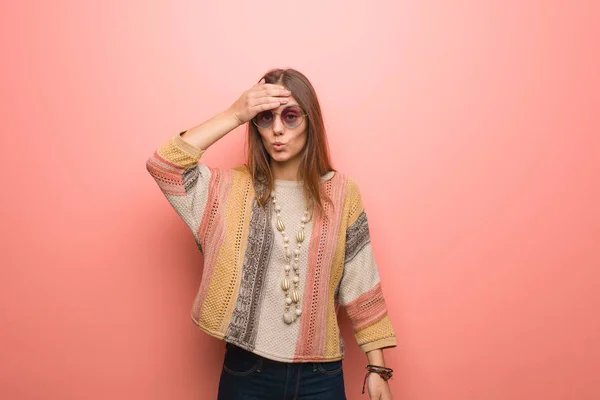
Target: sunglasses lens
264, 119
292, 116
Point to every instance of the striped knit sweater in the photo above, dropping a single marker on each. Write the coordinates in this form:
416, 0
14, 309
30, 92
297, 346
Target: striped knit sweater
240, 298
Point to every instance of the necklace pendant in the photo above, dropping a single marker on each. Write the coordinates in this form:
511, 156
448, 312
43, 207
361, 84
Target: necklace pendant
296, 296
287, 318
280, 225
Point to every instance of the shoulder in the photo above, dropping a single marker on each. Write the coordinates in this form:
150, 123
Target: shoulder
240, 174
227, 176
236, 171
351, 187
342, 183
241, 169
339, 179
353, 205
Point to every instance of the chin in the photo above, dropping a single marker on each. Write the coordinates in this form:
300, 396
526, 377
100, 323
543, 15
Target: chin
280, 158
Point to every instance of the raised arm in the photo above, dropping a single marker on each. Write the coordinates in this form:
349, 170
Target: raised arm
175, 164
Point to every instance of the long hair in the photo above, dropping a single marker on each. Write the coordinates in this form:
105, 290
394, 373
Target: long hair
315, 160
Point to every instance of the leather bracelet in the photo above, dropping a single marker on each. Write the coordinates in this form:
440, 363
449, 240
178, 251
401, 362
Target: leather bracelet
384, 372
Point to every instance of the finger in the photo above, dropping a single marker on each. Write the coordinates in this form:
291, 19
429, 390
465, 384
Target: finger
273, 92
269, 99
266, 106
269, 89
263, 86
258, 84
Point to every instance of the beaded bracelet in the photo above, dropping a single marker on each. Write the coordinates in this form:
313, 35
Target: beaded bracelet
384, 372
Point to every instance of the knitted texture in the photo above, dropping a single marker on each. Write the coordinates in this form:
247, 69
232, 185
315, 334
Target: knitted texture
240, 298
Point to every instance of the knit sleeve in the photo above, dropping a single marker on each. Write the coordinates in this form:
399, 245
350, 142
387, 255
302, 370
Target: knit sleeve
360, 291
184, 182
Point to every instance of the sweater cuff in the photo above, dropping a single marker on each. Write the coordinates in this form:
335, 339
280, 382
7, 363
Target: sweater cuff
186, 147
379, 344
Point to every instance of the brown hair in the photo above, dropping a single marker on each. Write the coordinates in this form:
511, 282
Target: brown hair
315, 160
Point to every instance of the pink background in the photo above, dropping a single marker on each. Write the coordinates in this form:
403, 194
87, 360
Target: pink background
472, 128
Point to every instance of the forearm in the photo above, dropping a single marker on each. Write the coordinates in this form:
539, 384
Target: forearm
207, 133
375, 357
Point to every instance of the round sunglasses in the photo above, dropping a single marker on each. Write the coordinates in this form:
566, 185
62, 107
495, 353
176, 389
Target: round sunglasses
292, 117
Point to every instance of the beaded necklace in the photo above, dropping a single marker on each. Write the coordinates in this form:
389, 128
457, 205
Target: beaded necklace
290, 285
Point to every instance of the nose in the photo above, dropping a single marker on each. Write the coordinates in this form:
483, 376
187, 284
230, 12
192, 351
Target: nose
277, 125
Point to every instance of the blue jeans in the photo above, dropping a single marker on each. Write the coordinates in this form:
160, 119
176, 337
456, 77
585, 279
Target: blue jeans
248, 376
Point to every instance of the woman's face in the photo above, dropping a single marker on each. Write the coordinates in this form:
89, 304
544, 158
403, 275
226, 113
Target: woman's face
283, 143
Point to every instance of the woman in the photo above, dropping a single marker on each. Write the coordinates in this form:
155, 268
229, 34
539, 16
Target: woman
285, 241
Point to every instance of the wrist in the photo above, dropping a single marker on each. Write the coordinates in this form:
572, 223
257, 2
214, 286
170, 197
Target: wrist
233, 117
385, 374
375, 357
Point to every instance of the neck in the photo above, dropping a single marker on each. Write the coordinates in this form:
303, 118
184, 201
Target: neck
286, 171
